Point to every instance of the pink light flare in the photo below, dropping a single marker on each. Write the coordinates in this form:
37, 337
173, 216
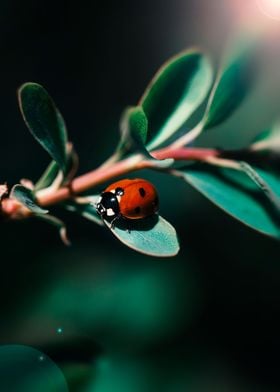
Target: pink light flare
270, 8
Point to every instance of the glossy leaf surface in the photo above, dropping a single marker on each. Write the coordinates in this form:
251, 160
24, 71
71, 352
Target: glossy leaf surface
176, 91
44, 121
238, 195
153, 236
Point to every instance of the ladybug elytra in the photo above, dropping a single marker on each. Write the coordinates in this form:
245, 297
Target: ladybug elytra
129, 198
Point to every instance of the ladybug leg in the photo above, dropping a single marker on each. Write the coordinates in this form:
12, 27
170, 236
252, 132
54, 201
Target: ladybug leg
112, 224
120, 216
128, 228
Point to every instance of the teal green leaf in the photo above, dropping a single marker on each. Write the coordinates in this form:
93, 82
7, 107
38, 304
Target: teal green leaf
58, 224
176, 91
85, 208
237, 194
232, 85
48, 177
134, 125
26, 197
153, 236
263, 152
267, 183
160, 163
54, 177
44, 121
134, 128
268, 139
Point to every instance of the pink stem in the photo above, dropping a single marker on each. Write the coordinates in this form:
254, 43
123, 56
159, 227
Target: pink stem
100, 175
185, 153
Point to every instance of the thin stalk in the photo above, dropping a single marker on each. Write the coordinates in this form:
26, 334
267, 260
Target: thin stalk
89, 180
133, 163
185, 154
11, 207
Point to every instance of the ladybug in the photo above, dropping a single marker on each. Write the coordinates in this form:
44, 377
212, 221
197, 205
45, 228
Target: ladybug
129, 199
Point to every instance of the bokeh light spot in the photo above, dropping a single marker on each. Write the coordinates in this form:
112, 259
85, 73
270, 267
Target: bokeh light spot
270, 8
59, 331
25, 369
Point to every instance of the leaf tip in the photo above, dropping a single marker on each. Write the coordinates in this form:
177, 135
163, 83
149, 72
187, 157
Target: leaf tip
64, 236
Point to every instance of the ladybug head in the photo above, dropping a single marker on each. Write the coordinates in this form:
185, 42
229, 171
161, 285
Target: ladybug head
108, 205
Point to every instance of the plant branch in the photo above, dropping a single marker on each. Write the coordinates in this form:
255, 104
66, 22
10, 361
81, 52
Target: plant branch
105, 173
185, 153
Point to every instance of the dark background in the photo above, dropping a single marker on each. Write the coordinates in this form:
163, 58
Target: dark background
204, 320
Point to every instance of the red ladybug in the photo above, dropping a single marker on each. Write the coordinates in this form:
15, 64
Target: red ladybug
130, 198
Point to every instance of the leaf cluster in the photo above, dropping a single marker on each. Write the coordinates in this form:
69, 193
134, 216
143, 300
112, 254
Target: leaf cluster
154, 134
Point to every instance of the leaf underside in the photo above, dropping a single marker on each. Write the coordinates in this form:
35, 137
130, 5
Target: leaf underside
26, 197
236, 193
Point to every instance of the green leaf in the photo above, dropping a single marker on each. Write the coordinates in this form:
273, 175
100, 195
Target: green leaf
53, 220
44, 121
176, 91
53, 177
264, 180
160, 163
153, 236
134, 128
26, 197
134, 125
233, 84
268, 140
263, 152
86, 208
49, 176
237, 194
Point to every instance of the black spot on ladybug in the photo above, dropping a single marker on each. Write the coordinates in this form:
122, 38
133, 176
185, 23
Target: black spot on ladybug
137, 210
142, 192
119, 191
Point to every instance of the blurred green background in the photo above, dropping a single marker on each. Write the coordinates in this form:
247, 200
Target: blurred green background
111, 319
